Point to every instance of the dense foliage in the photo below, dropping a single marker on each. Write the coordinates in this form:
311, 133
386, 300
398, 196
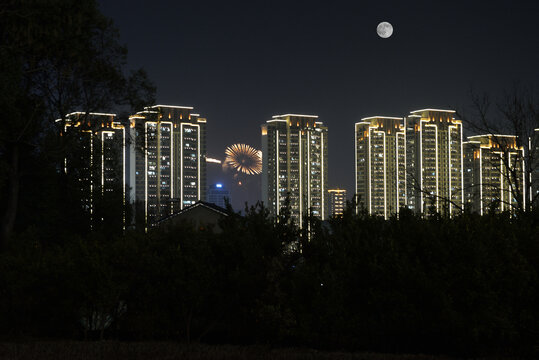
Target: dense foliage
56, 57
466, 285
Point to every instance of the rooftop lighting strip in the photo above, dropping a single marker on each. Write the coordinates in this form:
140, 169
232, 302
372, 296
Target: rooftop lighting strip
381, 117
433, 110
488, 135
90, 113
172, 107
295, 115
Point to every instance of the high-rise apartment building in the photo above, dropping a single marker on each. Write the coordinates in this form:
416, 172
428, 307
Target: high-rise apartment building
337, 202
169, 159
494, 168
295, 165
434, 161
380, 148
96, 159
217, 194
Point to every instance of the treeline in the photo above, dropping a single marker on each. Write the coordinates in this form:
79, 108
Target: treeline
463, 286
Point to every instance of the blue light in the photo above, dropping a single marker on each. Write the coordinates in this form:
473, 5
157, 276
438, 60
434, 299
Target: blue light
219, 185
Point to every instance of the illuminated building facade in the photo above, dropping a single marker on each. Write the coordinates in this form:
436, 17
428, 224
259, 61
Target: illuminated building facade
217, 194
434, 162
534, 169
295, 165
97, 158
337, 202
380, 147
494, 167
169, 159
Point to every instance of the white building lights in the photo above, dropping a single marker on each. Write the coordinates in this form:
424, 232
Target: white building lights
295, 165
171, 155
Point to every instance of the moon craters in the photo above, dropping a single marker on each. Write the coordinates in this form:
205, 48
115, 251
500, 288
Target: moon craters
384, 29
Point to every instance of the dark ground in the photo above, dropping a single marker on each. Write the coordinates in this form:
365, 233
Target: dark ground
105, 350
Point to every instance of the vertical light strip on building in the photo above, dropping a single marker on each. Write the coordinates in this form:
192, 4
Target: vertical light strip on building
198, 165
437, 170
523, 167
385, 179
171, 156
300, 182
355, 165
461, 170
369, 177
449, 166
91, 176
530, 188
102, 162
405, 159
421, 164
397, 169
123, 176
172, 163
277, 189
181, 165
308, 171
501, 181
481, 180
322, 172
146, 172
511, 185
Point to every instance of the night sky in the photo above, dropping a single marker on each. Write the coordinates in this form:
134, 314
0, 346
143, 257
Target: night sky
239, 63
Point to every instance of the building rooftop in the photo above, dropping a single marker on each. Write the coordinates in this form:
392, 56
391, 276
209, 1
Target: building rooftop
438, 110
207, 205
381, 117
172, 106
298, 115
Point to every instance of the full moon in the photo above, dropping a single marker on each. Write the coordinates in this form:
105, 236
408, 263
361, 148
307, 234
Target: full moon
384, 29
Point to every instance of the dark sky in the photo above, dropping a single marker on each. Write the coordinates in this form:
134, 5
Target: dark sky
239, 63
